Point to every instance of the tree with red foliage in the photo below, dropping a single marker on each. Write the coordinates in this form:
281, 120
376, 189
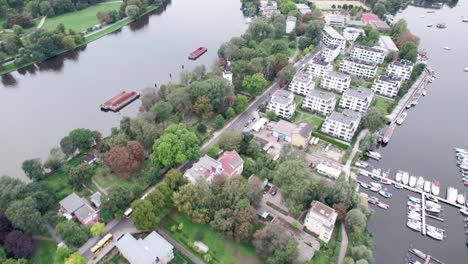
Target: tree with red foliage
125, 159
19, 244
407, 37
25, 21
5, 227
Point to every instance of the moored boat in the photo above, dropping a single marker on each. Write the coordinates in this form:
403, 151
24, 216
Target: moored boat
461, 199
452, 194
405, 178
424, 93
420, 183
385, 194
429, 25
414, 225
412, 181
373, 154
402, 118
119, 101
385, 181
419, 253
197, 53
441, 25
388, 134
398, 176
414, 199
398, 186
435, 235
464, 210
447, 48
375, 185
382, 205
373, 200
364, 185
435, 188
427, 186
432, 209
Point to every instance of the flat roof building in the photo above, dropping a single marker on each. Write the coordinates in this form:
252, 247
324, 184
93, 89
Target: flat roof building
319, 66
342, 125
331, 37
336, 21
302, 83
358, 67
290, 24
369, 54
320, 102
336, 81
358, 100
387, 44
331, 52
321, 220
153, 249
387, 85
282, 103
401, 68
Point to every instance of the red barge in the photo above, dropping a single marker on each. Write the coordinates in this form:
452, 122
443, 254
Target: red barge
197, 53
119, 101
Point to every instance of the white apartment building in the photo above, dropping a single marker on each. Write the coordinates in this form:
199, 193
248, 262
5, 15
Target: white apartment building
320, 102
302, 83
206, 168
319, 66
369, 54
401, 68
336, 81
342, 125
331, 37
330, 52
358, 100
351, 34
321, 220
358, 67
387, 85
282, 103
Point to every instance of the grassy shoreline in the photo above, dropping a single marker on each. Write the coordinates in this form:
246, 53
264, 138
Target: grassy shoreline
114, 27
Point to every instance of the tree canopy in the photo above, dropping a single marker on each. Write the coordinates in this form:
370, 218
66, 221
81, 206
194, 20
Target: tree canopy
374, 120
33, 169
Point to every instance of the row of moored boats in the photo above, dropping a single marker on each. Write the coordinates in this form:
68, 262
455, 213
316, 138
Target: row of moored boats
414, 221
419, 183
462, 162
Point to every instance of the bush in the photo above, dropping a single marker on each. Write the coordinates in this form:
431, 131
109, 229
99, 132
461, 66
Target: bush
201, 128
173, 228
213, 151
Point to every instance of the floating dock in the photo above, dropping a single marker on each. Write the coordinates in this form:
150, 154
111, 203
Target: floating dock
119, 101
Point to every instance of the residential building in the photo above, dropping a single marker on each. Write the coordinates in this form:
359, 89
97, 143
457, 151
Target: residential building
301, 135
358, 67
78, 208
386, 43
336, 21
342, 125
231, 163
387, 85
369, 54
282, 103
283, 130
302, 83
351, 34
330, 52
355, 23
328, 171
96, 199
358, 100
303, 8
321, 220
153, 249
380, 25
268, 8
400, 68
331, 36
336, 81
320, 102
319, 66
206, 168
290, 24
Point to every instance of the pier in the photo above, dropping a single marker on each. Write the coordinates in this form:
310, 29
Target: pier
423, 213
427, 257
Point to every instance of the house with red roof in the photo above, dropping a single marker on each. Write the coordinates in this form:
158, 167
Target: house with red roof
232, 163
78, 208
368, 17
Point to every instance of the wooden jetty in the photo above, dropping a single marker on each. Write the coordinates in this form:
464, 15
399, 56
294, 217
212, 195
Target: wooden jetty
423, 213
427, 258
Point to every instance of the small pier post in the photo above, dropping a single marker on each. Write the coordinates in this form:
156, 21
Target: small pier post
428, 258
423, 213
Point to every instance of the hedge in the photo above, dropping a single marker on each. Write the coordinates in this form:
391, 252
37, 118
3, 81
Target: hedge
330, 140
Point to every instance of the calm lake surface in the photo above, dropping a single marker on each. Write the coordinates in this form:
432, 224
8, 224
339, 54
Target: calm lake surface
424, 144
40, 105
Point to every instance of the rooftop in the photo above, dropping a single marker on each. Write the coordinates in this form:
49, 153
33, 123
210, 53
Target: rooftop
284, 127
338, 75
71, 203
353, 30
96, 199
321, 95
144, 251
282, 97
89, 157
84, 212
230, 160
359, 61
347, 117
320, 60
367, 17
303, 129
380, 25
321, 209
204, 168
332, 47
303, 77
332, 32
337, 19
387, 43
389, 79
402, 63
361, 93
355, 23
378, 50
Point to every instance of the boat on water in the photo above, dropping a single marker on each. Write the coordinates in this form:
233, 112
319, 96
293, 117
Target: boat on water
405, 178
414, 199
465, 69
385, 194
398, 186
398, 176
402, 118
414, 102
465, 182
441, 25
464, 210
414, 216
431, 198
465, 20
364, 185
429, 25
408, 106
464, 167
460, 150
119, 101
361, 164
375, 185
424, 93
447, 48
461, 199
383, 205
377, 172
435, 235
427, 186
388, 134
385, 181
414, 208
414, 225
197, 53
433, 228
412, 181
419, 253
373, 200
452, 194
373, 154
420, 183
374, 189
413, 203
435, 188
432, 209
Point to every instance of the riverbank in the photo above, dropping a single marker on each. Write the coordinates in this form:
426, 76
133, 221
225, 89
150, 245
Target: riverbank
10, 67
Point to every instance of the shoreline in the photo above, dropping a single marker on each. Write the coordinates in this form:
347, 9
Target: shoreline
10, 67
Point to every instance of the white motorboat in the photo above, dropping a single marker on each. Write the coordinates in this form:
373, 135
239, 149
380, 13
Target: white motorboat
413, 203
414, 208
447, 48
374, 189
376, 171
460, 150
382, 205
435, 188
432, 209
436, 235
452, 194
364, 185
402, 118
429, 25
361, 164
412, 181
398, 186
375, 155
398, 176
414, 199
405, 178
464, 210
466, 69
420, 183
419, 253
424, 93
375, 185
464, 167
433, 228
414, 225
365, 195
363, 173
431, 198
385, 193
461, 199
433, 204
427, 186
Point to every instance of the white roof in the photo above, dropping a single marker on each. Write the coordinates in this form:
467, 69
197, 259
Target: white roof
144, 251
329, 170
262, 121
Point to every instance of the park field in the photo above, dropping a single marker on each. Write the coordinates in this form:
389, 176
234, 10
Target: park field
80, 20
329, 4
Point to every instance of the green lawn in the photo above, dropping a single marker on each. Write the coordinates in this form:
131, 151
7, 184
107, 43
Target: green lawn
382, 104
291, 51
58, 181
328, 4
80, 20
223, 250
303, 116
44, 252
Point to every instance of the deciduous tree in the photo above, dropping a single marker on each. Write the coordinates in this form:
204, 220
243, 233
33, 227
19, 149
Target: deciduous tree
82, 139
241, 103
230, 140
5, 227
71, 233
162, 111
374, 120
75, 258
144, 216
81, 174
219, 121
254, 84
33, 169
19, 244
97, 229
125, 160
203, 107
117, 200
24, 215
270, 239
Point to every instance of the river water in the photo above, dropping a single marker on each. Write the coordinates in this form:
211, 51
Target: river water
40, 105
424, 144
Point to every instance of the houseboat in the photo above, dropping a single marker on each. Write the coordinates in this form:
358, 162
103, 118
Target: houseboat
119, 101
197, 53
388, 134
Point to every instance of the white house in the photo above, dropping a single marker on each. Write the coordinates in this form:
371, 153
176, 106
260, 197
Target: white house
206, 168
328, 171
330, 52
387, 85
337, 21
290, 24
387, 44
320, 102
302, 83
369, 54
358, 100
401, 68
336, 81
358, 67
303, 8
342, 125
319, 66
331, 37
153, 249
321, 220
282, 103
351, 34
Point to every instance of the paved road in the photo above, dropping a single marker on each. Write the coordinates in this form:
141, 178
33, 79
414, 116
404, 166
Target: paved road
347, 167
187, 253
344, 244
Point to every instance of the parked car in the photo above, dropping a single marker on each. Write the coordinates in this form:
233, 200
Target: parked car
272, 191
